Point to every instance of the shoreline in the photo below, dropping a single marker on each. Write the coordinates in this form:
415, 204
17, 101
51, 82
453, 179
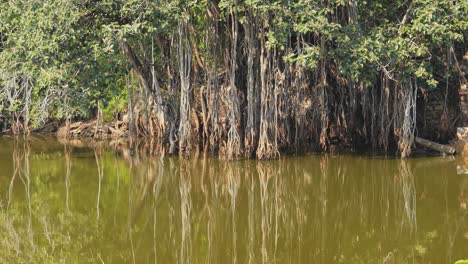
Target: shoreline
152, 142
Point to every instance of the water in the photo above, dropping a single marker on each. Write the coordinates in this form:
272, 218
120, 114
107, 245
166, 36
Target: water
78, 202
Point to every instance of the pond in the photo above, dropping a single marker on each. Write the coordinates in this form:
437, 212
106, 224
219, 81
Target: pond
106, 202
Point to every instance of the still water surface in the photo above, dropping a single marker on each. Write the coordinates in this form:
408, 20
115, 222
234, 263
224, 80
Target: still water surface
104, 203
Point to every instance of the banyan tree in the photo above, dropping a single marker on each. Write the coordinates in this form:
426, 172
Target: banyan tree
258, 78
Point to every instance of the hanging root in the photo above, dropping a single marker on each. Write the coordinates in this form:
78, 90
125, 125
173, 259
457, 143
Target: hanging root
233, 142
185, 59
233, 145
406, 119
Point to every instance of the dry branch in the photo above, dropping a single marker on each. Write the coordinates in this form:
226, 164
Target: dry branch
435, 146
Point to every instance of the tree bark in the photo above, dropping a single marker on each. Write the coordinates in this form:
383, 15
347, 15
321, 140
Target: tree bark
435, 146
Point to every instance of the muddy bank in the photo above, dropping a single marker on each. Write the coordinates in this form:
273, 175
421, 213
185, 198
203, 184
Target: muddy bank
93, 129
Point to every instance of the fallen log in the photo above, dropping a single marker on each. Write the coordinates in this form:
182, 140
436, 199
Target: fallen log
435, 146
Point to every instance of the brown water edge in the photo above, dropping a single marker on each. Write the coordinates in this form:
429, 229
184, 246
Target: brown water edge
117, 132
152, 145
100, 201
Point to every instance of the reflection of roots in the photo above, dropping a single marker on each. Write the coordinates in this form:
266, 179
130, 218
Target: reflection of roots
98, 155
67, 152
270, 211
408, 196
264, 175
233, 182
185, 188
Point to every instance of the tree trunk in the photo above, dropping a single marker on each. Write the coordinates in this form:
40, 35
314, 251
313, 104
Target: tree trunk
435, 146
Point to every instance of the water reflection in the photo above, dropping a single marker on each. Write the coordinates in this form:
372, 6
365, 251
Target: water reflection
125, 203
67, 154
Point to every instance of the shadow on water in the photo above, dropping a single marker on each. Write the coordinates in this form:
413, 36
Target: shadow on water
120, 202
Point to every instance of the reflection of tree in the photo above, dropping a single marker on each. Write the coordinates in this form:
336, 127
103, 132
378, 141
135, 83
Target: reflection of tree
405, 179
14, 239
185, 213
250, 185
325, 209
21, 168
264, 175
67, 153
156, 191
233, 184
100, 169
455, 223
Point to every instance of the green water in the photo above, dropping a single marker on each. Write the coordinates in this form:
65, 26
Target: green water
105, 203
